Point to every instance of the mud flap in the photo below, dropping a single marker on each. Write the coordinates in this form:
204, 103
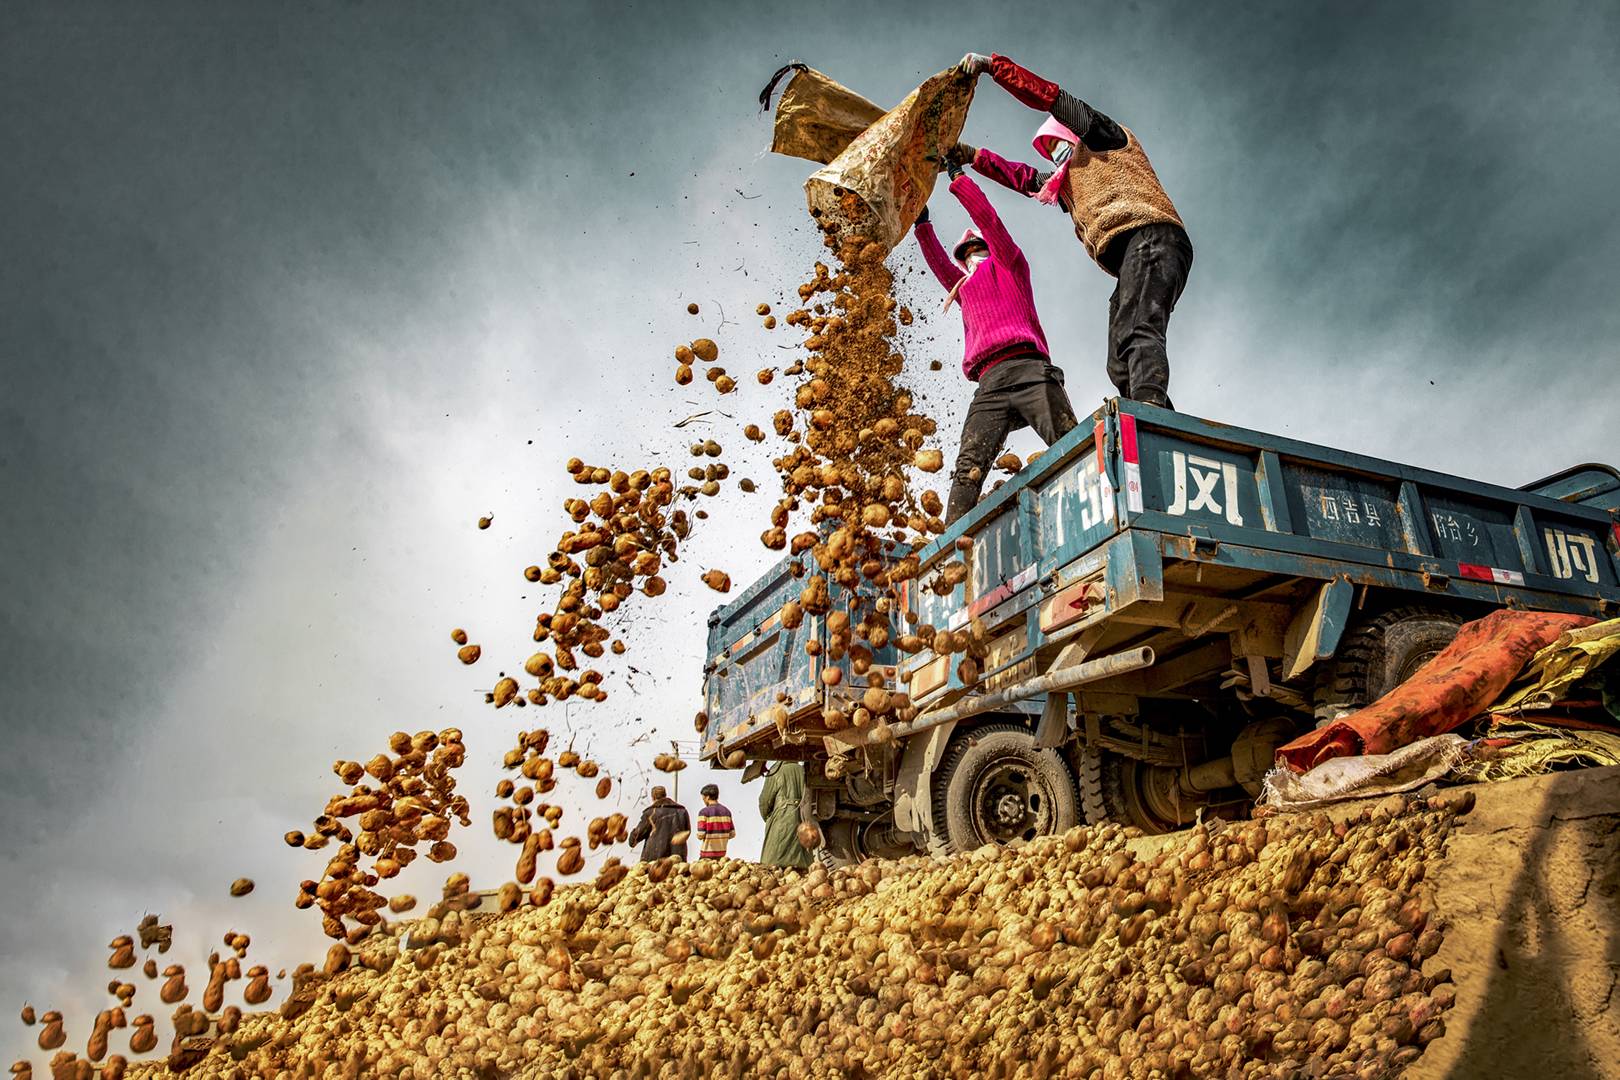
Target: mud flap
913, 797
1316, 629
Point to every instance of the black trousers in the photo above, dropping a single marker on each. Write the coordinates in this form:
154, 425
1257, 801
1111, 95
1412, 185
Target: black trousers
1152, 272
1024, 391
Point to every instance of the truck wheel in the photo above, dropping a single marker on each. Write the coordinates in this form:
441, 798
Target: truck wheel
995, 786
840, 844
1380, 654
1130, 792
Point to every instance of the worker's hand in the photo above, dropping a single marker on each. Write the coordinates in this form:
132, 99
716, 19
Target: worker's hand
922, 217
961, 153
953, 167
973, 65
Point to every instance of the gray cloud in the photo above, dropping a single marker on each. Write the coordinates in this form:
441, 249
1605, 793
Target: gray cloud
292, 294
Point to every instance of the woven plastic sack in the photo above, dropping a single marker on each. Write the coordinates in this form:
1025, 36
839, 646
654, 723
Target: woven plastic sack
816, 117
878, 183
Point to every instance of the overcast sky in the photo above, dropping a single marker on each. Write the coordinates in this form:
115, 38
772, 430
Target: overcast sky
291, 294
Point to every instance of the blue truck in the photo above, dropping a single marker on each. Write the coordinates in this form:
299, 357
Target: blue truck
1158, 603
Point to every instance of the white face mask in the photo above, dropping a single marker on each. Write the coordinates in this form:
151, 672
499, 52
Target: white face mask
1061, 152
975, 257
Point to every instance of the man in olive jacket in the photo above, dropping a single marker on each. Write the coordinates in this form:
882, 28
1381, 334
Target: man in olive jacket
779, 806
665, 827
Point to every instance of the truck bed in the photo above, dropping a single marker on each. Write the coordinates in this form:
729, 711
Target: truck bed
1143, 520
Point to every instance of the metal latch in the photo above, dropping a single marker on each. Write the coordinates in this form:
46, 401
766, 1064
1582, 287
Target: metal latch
1433, 578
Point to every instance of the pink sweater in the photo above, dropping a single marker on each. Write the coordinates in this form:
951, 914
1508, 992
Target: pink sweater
998, 305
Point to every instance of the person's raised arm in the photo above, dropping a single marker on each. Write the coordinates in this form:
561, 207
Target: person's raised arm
996, 236
1097, 131
1024, 179
934, 253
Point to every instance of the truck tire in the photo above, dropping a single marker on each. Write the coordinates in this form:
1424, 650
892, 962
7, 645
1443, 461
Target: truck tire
1130, 792
995, 786
1380, 654
840, 844
1097, 803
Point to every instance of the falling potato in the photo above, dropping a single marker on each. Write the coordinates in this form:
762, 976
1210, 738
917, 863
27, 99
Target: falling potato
241, 886
469, 654
691, 309
505, 691
718, 580
929, 460
1009, 462
683, 375
763, 309
706, 350
809, 835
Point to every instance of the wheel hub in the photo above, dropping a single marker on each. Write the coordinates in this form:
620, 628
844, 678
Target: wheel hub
1010, 803
1010, 809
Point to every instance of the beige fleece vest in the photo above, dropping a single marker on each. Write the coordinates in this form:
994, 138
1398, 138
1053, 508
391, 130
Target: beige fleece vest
1113, 192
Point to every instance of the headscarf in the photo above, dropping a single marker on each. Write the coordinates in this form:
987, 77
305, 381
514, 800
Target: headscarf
1049, 134
967, 235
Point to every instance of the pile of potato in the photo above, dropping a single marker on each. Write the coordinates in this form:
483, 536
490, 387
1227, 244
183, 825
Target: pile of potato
1290, 947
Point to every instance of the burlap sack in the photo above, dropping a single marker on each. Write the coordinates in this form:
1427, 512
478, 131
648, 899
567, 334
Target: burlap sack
882, 178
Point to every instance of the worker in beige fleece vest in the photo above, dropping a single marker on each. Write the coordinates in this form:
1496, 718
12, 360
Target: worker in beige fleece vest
1120, 212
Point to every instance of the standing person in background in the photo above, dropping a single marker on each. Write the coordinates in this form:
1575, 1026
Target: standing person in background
664, 826
1103, 180
1004, 348
714, 825
779, 806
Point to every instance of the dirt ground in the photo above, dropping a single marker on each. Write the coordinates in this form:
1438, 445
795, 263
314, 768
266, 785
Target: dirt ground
1531, 889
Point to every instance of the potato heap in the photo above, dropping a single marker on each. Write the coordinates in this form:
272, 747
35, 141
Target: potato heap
1282, 948
413, 804
627, 531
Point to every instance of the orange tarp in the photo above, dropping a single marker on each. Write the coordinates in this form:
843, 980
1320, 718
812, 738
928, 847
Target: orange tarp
1453, 688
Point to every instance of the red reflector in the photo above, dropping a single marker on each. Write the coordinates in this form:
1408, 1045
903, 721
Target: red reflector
1478, 573
1127, 437
1098, 441
1616, 529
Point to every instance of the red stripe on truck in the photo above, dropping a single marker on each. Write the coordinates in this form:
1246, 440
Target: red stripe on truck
1127, 437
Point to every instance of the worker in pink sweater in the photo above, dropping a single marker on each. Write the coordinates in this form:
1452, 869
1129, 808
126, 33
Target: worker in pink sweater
1004, 349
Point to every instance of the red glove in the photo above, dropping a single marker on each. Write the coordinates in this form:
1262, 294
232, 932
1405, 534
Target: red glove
1023, 84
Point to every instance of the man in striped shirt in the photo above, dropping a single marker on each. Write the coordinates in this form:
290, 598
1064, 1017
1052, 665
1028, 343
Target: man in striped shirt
714, 826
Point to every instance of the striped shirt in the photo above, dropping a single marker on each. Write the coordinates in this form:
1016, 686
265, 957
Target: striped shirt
715, 831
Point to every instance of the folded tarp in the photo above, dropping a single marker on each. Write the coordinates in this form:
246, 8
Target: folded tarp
1556, 671
1460, 683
